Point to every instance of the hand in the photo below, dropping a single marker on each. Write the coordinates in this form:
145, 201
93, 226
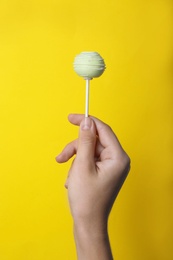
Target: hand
96, 175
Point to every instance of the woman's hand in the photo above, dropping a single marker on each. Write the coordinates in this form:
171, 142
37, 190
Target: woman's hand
95, 178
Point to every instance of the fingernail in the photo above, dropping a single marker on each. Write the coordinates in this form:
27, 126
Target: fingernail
86, 124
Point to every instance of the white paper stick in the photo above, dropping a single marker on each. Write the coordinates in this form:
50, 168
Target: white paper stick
87, 97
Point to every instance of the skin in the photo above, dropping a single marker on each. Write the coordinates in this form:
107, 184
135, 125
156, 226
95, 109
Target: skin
94, 180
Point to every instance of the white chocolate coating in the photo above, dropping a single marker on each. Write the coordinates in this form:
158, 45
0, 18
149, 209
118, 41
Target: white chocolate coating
89, 65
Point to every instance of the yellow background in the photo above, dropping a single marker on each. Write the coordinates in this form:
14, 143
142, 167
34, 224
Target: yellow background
38, 89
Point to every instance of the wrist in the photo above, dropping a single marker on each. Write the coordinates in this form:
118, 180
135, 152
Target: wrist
92, 241
94, 227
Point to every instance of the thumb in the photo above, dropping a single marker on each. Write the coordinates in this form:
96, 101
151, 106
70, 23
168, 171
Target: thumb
86, 141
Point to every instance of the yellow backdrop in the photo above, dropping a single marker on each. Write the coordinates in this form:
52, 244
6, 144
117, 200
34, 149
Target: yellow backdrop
38, 89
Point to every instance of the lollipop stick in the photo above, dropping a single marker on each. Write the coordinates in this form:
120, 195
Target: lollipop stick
87, 97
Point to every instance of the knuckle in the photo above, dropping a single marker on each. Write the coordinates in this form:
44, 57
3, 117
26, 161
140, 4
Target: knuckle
87, 139
123, 163
107, 127
127, 162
